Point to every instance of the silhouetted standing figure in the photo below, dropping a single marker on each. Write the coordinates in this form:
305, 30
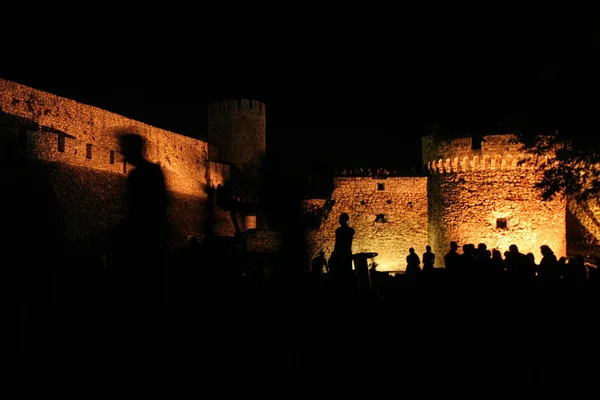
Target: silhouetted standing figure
548, 268
578, 273
318, 266
341, 257
33, 276
516, 264
428, 260
497, 267
143, 229
413, 263
452, 261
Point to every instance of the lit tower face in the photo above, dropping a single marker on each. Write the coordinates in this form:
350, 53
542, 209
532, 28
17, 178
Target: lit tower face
480, 193
238, 128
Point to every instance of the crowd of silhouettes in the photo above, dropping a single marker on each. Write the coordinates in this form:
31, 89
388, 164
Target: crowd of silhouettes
473, 265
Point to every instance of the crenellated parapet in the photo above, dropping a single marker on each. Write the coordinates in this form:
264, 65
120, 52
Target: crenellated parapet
483, 190
237, 105
486, 162
491, 153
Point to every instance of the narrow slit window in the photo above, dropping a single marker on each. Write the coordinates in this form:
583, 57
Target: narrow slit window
112, 156
61, 143
88, 151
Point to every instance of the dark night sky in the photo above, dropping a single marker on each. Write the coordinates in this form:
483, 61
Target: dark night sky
346, 86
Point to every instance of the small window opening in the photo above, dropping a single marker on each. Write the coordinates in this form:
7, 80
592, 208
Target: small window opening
88, 151
380, 218
380, 186
501, 223
61, 143
112, 156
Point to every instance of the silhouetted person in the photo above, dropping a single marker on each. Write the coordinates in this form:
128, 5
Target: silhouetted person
548, 268
428, 260
467, 260
562, 267
32, 272
143, 230
317, 267
516, 264
452, 261
497, 267
577, 271
319, 264
413, 263
340, 262
482, 261
531, 268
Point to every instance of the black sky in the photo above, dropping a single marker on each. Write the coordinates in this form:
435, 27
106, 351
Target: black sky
342, 86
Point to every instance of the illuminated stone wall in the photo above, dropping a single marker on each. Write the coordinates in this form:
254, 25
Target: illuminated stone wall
401, 201
486, 195
238, 129
63, 132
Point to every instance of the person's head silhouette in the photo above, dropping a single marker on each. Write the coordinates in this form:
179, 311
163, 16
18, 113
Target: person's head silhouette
344, 219
132, 147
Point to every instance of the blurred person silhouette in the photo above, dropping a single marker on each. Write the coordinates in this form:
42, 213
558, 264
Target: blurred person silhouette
143, 231
33, 261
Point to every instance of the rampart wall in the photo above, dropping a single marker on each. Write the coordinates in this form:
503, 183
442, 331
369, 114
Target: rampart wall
83, 141
389, 216
486, 195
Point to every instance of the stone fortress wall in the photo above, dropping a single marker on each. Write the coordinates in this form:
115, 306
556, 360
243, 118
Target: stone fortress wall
482, 193
475, 192
83, 141
389, 215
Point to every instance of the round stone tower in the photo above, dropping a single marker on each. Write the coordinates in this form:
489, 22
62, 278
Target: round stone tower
480, 192
238, 129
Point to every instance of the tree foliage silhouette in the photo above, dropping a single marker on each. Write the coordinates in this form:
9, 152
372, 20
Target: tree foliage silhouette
570, 167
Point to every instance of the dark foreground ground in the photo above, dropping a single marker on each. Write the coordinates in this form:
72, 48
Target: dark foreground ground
253, 338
